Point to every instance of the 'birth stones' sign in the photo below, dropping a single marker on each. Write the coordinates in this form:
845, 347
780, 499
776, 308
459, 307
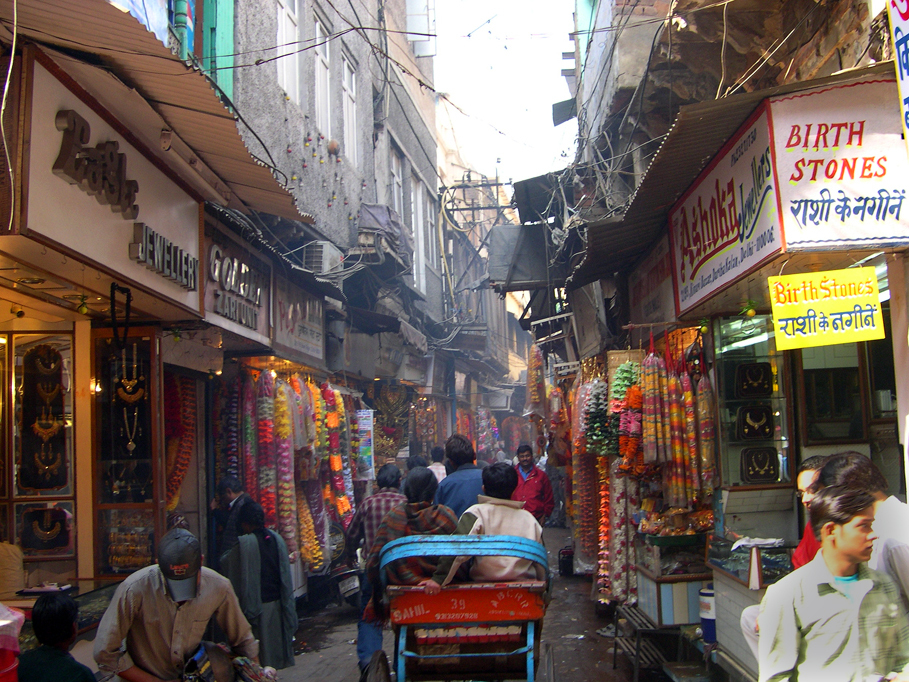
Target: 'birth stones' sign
826, 308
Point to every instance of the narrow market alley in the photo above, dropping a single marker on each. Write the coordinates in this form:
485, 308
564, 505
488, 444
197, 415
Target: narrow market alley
579, 654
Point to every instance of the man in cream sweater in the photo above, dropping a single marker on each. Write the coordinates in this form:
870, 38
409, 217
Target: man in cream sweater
494, 514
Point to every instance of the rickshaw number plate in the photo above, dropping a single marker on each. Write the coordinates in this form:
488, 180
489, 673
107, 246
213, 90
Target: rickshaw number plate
348, 585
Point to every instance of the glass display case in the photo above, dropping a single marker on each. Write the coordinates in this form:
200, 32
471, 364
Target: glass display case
127, 467
755, 567
671, 556
92, 597
753, 430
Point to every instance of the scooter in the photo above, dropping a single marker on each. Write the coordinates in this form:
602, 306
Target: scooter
344, 574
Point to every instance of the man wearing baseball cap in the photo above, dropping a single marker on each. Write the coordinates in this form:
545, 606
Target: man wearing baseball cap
162, 611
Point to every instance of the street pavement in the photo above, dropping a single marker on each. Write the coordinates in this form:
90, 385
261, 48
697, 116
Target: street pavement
327, 638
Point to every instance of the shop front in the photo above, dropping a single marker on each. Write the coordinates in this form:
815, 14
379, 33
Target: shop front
101, 250
785, 259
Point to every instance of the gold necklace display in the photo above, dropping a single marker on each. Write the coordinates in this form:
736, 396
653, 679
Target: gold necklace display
131, 432
48, 369
755, 424
48, 462
46, 535
47, 426
757, 467
129, 385
46, 393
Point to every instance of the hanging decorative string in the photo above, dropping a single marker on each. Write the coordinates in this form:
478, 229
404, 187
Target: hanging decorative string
265, 412
249, 442
287, 499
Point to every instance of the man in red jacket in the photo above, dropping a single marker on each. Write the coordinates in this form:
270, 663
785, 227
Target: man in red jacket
534, 489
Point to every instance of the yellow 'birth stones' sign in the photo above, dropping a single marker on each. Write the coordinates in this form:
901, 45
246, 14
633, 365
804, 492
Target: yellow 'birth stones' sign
826, 308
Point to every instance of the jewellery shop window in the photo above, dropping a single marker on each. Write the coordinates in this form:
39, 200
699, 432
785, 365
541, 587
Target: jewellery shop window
753, 417
125, 462
43, 445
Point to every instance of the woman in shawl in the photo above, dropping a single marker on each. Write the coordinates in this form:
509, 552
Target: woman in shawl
258, 566
418, 516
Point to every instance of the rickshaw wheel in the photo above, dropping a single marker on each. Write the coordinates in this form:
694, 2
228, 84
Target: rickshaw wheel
378, 669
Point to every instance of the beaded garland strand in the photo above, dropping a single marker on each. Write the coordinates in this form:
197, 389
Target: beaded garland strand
184, 438
287, 500
265, 411
249, 443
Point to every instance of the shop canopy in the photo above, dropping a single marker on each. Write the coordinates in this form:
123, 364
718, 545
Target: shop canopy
149, 89
615, 244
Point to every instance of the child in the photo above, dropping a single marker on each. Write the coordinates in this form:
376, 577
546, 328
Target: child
834, 618
54, 619
494, 514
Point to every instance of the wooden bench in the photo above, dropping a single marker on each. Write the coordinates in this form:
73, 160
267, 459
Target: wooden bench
634, 639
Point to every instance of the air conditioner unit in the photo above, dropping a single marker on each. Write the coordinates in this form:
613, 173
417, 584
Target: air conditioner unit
322, 257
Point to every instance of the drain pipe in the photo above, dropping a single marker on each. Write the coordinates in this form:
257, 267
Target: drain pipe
180, 16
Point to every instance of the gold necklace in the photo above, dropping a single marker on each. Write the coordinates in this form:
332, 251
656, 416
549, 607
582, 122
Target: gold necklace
130, 384
47, 427
755, 424
131, 433
48, 394
44, 468
756, 468
48, 369
130, 398
46, 535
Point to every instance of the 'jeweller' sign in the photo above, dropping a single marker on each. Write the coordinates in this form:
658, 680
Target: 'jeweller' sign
826, 308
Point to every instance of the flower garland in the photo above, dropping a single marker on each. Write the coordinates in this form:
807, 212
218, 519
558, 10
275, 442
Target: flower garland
337, 488
346, 461
630, 429
354, 429
313, 500
185, 400
287, 500
310, 549
249, 441
265, 410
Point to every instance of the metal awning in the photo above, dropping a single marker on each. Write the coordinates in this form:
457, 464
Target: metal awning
700, 130
138, 73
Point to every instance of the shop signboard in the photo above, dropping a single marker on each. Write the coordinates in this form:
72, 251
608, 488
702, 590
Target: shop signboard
237, 287
90, 191
727, 223
366, 470
842, 166
299, 323
825, 308
898, 13
650, 290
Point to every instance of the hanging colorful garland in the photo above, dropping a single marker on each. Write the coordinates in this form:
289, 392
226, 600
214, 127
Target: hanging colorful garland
536, 383
630, 433
249, 443
287, 500
310, 548
268, 475
337, 488
182, 444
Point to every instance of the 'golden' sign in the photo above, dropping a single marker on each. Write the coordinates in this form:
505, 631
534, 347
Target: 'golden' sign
826, 308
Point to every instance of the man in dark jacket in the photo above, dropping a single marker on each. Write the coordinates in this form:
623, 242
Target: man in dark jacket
226, 506
534, 489
459, 489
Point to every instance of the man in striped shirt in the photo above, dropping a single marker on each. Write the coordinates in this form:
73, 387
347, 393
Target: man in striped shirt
363, 527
